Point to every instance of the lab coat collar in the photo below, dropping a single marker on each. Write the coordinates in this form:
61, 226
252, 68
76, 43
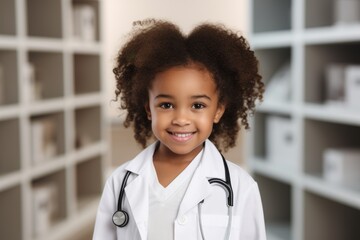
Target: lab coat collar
211, 163
211, 166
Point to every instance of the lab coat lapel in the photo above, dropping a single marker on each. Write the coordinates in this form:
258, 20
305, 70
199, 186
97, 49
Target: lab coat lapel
136, 193
137, 190
210, 166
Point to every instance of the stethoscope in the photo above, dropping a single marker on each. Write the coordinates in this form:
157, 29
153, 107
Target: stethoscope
121, 218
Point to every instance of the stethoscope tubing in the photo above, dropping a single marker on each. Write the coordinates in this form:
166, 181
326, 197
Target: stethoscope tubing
226, 185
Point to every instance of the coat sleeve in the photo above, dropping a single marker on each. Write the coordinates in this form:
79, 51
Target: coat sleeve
104, 227
253, 226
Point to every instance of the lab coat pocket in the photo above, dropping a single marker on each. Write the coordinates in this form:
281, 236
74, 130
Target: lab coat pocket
214, 226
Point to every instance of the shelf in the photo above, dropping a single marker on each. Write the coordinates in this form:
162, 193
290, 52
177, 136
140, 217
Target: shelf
90, 32
47, 137
10, 146
8, 77
271, 15
87, 126
50, 92
7, 17
275, 171
325, 13
44, 18
276, 107
46, 78
265, 130
311, 36
320, 135
49, 190
317, 58
81, 220
11, 197
334, 114
86, 73
345, 194
278, 231
325, 219
276, 200
272, 39
334, 34
88, 181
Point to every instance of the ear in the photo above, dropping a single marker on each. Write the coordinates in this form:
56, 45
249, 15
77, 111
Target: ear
147, 109
219, 113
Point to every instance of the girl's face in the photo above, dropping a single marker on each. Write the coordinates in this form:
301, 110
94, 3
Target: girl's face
183, 106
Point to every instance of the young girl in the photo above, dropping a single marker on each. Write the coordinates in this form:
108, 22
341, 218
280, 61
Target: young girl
188, 92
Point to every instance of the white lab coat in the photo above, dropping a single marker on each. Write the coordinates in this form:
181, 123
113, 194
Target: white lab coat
247, 223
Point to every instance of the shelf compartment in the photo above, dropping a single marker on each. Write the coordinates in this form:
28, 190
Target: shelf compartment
10, 146
44, 18
86, 73
45, 77
330, 220
88, 126
8, 77
48, 201
322, 13
86, 20
317, 57
273, 132
7, 17
10, 208
272, 15
277, 204
88, 182
320, 135
275, 68
47, 137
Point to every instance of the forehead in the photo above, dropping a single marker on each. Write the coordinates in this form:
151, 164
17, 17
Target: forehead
188, 79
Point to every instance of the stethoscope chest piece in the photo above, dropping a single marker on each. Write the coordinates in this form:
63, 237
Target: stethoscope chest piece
120, 218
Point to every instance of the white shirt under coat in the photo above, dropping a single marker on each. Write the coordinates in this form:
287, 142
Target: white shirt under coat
247, 222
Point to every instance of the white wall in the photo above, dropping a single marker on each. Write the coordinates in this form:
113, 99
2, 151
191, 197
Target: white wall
119, 15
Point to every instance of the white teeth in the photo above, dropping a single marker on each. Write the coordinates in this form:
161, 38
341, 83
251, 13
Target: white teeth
182, 135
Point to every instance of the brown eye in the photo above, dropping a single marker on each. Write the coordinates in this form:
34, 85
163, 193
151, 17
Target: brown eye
166, 105
198, 106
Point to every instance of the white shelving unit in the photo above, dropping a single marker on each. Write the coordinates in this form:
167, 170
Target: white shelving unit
71, 101
299, 204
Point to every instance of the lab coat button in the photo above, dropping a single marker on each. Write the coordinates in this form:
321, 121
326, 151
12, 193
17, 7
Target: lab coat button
182, 220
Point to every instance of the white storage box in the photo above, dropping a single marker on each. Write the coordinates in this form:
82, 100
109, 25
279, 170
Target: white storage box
335, 83
44, 207
280, 141
352, 96
342, 166
2, 85
347, 12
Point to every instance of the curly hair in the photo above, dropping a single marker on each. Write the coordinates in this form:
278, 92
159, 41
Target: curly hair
155, 46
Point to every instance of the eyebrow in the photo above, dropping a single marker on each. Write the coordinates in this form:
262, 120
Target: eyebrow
192, 97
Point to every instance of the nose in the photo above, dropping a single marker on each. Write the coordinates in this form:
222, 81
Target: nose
181, 118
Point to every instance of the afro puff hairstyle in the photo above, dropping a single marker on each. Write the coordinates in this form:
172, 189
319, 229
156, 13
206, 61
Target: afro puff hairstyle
155, 46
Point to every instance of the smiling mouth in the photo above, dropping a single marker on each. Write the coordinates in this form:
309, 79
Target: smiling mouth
181, 136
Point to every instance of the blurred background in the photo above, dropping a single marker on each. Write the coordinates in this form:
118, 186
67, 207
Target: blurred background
61, 134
